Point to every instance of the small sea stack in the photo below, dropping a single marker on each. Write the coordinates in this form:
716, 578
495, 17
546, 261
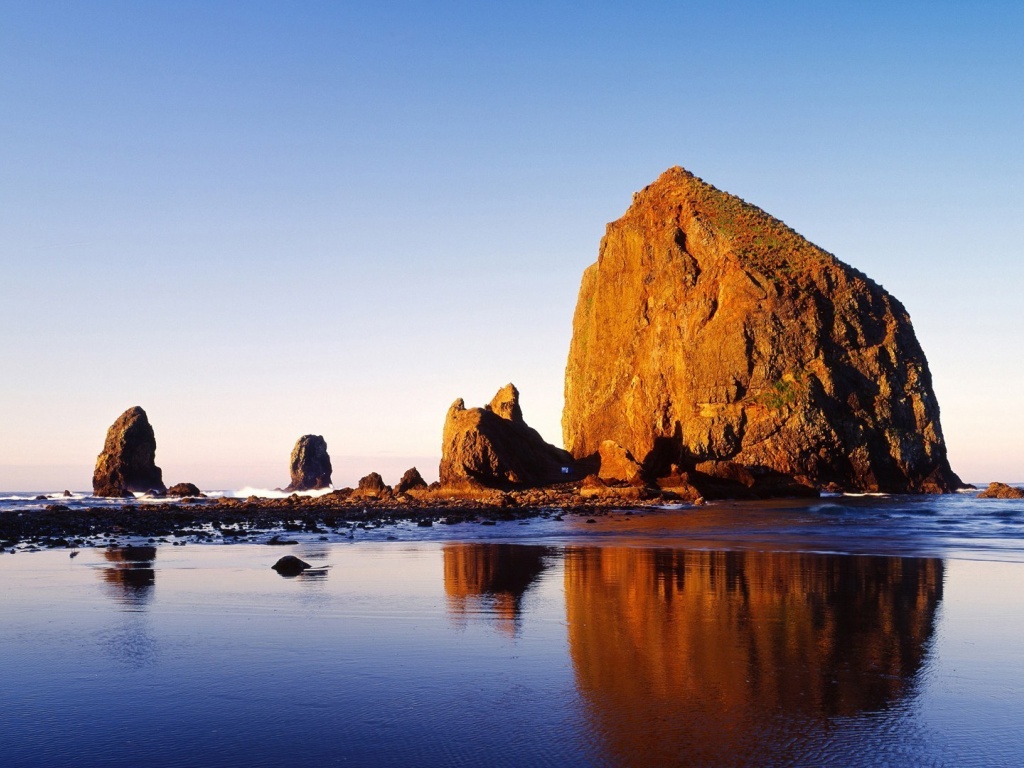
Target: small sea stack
372, 486
493, 446
310, 465
128, 460
412, 480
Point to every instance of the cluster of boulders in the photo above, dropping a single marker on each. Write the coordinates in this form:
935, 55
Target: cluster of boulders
715, 353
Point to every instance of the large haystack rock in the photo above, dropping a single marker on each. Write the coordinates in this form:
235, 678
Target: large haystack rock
128, 460
711, 336
493, 446
310, 464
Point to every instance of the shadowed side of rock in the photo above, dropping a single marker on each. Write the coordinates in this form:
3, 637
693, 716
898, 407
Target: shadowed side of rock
494, 447
310, 465
711, 336
128, 460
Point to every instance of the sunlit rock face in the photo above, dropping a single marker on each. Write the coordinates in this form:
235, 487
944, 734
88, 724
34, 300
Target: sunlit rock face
128, 460
711, 336
491, 579
494, 447
683, 658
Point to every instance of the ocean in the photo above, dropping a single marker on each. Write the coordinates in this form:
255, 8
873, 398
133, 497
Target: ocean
847, 630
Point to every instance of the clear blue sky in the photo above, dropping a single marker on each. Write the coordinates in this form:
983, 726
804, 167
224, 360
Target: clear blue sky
258, 220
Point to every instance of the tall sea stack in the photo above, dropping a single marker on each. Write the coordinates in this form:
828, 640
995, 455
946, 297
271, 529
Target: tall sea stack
310, 465
128, 460
712, 337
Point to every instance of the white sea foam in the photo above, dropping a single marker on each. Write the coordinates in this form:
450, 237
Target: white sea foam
50, 496
266, 493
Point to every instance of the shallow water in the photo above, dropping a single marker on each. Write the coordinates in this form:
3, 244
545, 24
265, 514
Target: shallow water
617, 643
954, 525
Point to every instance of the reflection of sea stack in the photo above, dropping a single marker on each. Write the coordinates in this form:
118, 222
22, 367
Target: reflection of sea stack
132, 571
496, 575
711, 336
493, 446
310, 464
128, 460
732, 658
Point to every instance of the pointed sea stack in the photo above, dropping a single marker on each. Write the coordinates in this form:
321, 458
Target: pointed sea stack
711, 336
310, 465
128, 460
493, 446
412, 480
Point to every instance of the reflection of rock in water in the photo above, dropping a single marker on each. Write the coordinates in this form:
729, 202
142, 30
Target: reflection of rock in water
697, 657
491, 578
132, 578
133, 573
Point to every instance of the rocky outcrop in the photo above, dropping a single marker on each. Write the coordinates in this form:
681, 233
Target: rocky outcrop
711, 336
494, 447
618, 464
372, 487
310, 465
182, 490
412, 480
1001, 491
128, 460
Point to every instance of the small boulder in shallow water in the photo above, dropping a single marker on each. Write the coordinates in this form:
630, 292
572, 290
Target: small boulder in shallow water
184, 489
1001, 491
290, 565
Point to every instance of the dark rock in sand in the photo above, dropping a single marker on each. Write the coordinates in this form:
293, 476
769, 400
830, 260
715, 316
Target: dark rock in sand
181, 490
412, 480
310, 465
712, 336
1001, 491
494, 447
290, 565
128, 460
